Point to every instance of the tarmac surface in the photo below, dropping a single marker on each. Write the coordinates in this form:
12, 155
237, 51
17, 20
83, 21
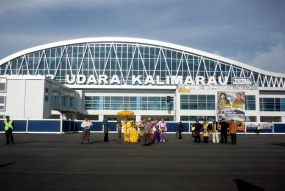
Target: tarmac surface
59, 162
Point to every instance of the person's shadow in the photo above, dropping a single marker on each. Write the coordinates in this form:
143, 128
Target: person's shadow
3, 165
278, 144
243, 185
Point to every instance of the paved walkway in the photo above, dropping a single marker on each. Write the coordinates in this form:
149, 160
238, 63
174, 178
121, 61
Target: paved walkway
60, 162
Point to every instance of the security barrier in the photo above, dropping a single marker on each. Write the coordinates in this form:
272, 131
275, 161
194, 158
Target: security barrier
70, 126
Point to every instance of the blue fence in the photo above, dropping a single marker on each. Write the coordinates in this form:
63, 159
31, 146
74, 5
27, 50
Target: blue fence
48, 126
69, 126
267, 131
278, 127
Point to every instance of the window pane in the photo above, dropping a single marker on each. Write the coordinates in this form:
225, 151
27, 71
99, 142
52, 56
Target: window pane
2, 86
202, 98
202, 106
183, 118
2, 99
184, 106
193, 98
193, 106
211, 98
211, 106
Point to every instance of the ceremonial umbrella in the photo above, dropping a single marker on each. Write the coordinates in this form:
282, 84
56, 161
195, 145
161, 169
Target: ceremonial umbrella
126, 113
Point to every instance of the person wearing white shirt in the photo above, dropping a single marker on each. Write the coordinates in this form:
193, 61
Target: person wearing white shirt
86, 124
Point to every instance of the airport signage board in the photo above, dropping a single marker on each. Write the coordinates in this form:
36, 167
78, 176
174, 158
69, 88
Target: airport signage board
241, 80
140, 80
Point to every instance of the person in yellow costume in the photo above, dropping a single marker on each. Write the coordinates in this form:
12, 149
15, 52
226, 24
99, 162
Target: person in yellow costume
127, 125
134, 132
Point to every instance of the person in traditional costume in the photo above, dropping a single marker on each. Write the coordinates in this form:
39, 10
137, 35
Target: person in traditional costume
133, 132
233, 132
156, 131
206, 131
162, 129
127, 125
197, 130
214, 129
151, 131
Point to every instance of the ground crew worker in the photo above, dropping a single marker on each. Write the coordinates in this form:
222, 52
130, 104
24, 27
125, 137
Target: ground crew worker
8, 127
258, 129
193, 129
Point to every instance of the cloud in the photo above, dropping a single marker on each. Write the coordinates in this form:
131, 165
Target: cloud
239, 56
217, 53
273, 60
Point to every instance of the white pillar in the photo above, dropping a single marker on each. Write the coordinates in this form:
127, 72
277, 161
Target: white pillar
101, 117
138, 118
63, 116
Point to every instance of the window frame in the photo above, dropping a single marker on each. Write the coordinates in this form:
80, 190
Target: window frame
3, 79
3, 104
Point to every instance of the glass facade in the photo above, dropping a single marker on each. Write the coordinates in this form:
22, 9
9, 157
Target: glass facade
250, 118
199, 118
272, 104
126, 102
250, 102
55, 97
72, 102
128, 59
197, 102
65, 100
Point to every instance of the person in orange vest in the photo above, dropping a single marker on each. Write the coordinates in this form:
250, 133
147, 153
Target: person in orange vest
8, 127
233, 131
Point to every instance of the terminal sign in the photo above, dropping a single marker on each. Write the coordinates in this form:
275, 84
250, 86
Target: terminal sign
242, 80
139, 80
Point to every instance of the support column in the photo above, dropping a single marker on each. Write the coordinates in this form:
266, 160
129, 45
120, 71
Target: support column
100, 117
63, 115
138, 118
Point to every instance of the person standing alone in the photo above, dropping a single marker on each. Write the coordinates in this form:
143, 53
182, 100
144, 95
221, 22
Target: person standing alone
180, 129
86, 124
257, 129
8, 127
106, 130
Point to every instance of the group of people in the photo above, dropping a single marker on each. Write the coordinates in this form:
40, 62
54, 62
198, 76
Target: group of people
213, 128
153, 131
147, 131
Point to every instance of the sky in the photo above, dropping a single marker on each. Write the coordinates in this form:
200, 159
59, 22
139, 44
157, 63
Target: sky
248, 31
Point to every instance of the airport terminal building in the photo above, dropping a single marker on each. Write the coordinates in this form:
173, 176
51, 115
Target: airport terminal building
97, 77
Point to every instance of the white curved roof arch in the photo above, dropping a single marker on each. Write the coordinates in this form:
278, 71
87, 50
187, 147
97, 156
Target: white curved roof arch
139, 41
